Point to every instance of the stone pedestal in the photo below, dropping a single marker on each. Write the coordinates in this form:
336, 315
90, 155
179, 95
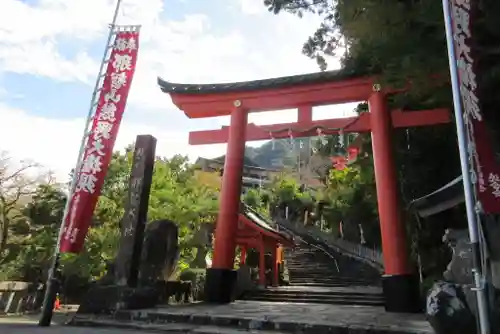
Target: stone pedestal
108, 299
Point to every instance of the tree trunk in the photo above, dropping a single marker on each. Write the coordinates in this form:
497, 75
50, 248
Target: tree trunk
4, 231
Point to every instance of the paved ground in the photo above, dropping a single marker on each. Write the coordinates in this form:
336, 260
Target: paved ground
250, 316
28, 325
255, 315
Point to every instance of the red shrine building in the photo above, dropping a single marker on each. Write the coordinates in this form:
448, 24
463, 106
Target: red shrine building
400, 282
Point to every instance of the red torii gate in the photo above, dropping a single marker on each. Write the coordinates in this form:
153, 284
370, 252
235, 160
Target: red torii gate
400, 284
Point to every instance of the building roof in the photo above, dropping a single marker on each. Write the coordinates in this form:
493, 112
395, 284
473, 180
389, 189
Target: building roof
444, 198
273, 83
248, 163
263, 223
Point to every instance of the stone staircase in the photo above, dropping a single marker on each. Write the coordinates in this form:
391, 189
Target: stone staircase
318, 276
309, 265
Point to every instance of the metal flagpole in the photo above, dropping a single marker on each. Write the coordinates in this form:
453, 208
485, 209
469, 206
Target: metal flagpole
482, 308
52, 281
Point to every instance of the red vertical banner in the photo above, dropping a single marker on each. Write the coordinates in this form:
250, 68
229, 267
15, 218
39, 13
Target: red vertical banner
101, 140
486, 171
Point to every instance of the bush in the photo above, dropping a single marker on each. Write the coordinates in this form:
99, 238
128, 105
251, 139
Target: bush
197, 279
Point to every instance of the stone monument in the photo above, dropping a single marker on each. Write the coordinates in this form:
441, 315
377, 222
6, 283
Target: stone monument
119, 289
134, 221
160, 252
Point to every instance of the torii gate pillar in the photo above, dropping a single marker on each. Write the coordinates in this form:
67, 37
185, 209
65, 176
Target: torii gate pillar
400, 284
221, 277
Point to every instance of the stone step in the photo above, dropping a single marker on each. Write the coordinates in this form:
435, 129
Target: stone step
323, 284
330, 273
324, 273
320, 295
315, 300
344, 283
328, 299
376, 290
332, 282
329, 280
312, 265
327, 273
315, 270
316, 274
307, 261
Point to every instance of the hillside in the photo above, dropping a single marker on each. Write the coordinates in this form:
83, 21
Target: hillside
277, 155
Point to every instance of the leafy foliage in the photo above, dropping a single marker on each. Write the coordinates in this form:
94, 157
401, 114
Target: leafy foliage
178, 193
401, 42
16, 185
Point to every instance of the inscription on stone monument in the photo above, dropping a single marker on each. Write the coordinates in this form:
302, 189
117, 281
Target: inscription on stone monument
136, 209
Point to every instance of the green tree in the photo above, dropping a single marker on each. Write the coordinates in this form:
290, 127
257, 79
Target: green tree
177, 194
401, 41
252, 198
32, 238
16, 186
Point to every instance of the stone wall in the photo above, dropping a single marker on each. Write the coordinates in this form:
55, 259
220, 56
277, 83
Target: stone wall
19, 297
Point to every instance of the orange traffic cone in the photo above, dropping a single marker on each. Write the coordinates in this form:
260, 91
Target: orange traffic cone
57, 303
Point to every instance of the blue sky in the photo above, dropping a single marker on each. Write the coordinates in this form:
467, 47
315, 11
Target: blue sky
50, 58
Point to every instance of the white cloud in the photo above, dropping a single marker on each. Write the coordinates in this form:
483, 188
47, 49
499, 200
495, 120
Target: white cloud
41, 59
184, 50
252, 7
77, 19
54, 143
31, 45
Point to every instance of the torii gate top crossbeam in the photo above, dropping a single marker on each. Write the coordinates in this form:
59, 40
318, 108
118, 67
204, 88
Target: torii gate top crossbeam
298, 91
211, 100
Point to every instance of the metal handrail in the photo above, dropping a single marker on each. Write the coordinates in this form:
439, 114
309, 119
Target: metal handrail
371, 257
330, 255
